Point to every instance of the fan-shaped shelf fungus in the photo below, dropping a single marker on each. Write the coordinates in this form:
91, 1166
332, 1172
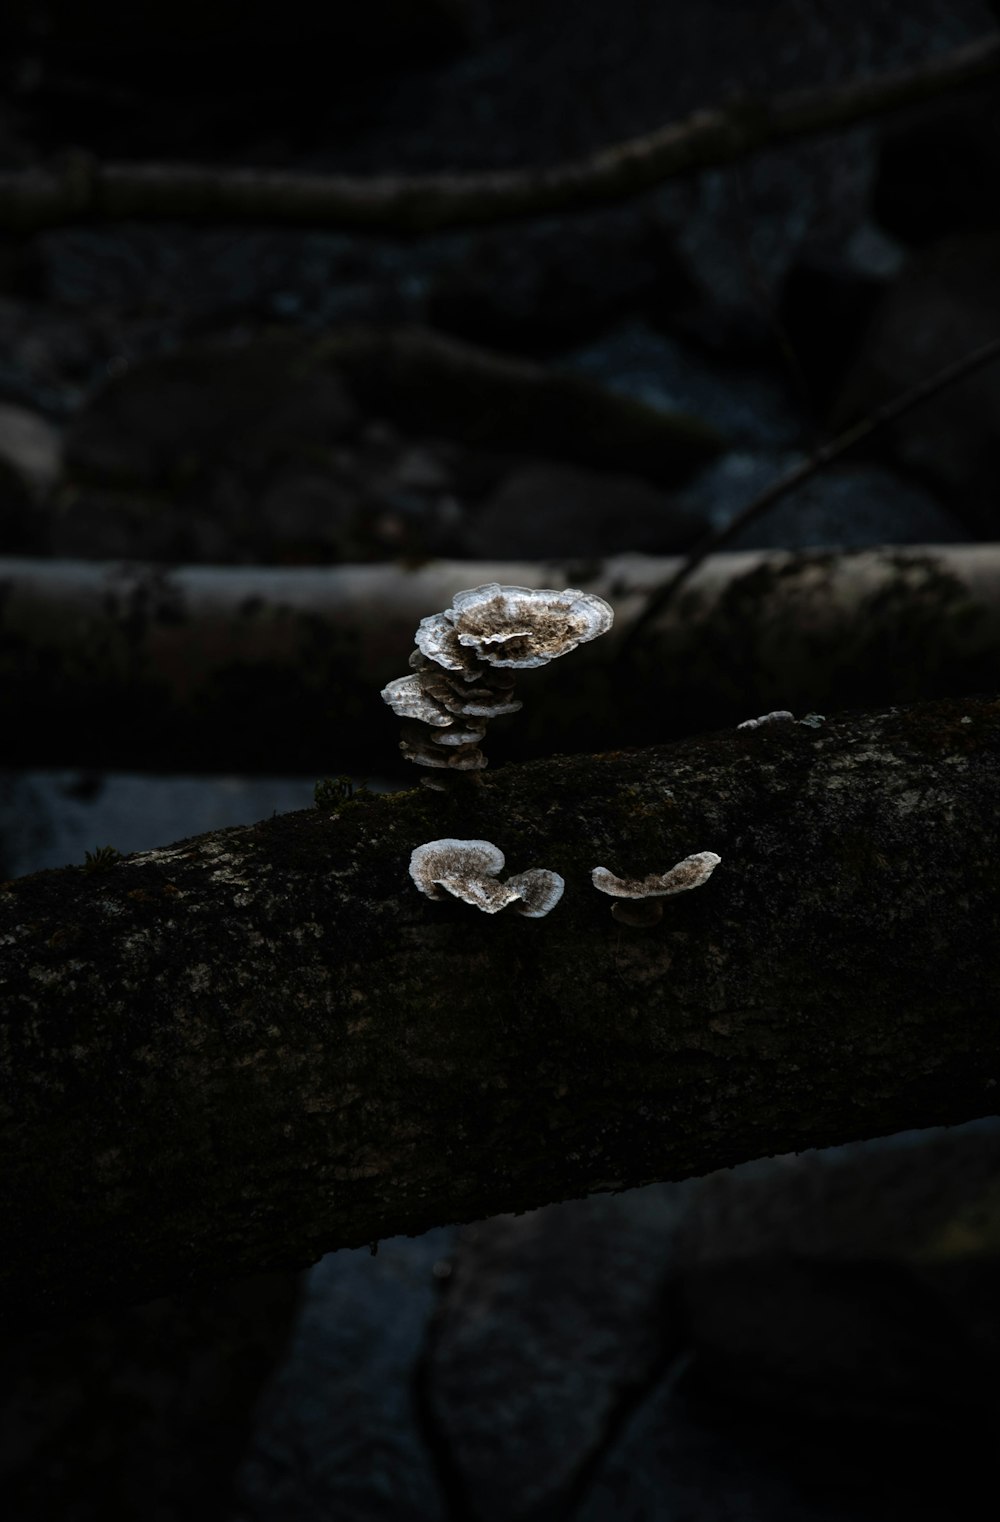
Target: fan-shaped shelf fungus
469, 870
464, 664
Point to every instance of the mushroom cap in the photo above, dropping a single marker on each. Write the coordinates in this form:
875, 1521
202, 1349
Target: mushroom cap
467, 869
511, 627
776, 716
538, 889
468, 734
460, 696
454, 860
437, 639
417, 746
408, 698
485, 676
689, 873
523, 626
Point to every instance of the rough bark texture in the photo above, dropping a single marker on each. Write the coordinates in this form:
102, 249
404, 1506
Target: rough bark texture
273, 669
246, 1049
80, 188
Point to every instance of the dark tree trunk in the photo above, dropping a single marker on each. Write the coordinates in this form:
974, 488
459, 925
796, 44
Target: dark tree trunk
246, 1049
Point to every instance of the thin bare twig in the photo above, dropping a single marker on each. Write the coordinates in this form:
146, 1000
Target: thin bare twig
825, 455
79, 188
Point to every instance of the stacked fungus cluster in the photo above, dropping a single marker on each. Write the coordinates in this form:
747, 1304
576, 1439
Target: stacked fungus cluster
463, 668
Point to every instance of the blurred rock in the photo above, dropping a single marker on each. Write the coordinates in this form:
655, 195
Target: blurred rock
555, 512
430, 383
749, 403
943, 306
682, 1457
846, 505
30, 446
306, 516
338, 1433
918, 1197
841, 1338
548, 1321
166, 419
214, 453
21, 530
852, 1343
674, 1461
47, 355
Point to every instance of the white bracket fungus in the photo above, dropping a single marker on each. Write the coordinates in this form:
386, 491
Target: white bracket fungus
779, 716
524, 626
692, 872
407, 697
464, 663
468, 869
418, 745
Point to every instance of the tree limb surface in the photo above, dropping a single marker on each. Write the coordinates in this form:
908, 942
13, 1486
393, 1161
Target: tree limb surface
246, 1049
80, 188
275, 669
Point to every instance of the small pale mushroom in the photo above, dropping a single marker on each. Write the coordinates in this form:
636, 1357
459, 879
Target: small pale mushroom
692, 872
468, 870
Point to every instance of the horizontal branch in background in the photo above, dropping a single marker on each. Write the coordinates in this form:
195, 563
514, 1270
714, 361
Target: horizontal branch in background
257, 669
80, 188
255, 1046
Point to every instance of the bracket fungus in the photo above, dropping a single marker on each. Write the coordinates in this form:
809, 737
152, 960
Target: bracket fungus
463, 666
469, 870
638, 897
777, 716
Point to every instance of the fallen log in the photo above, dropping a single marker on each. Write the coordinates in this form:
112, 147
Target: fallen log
206, 668
246, 1049
78, 187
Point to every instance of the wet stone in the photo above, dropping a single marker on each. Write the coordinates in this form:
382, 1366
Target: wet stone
337, 1433
945, 305
853, 505
548, 1318
545, 511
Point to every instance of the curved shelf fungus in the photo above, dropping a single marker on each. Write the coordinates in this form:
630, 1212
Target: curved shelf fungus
637, 898
469, 870
464, 664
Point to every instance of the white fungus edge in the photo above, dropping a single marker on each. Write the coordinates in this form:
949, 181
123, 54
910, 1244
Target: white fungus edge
690, 873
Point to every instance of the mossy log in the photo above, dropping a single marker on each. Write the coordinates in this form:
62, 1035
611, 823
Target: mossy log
272, 669
246, 1049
